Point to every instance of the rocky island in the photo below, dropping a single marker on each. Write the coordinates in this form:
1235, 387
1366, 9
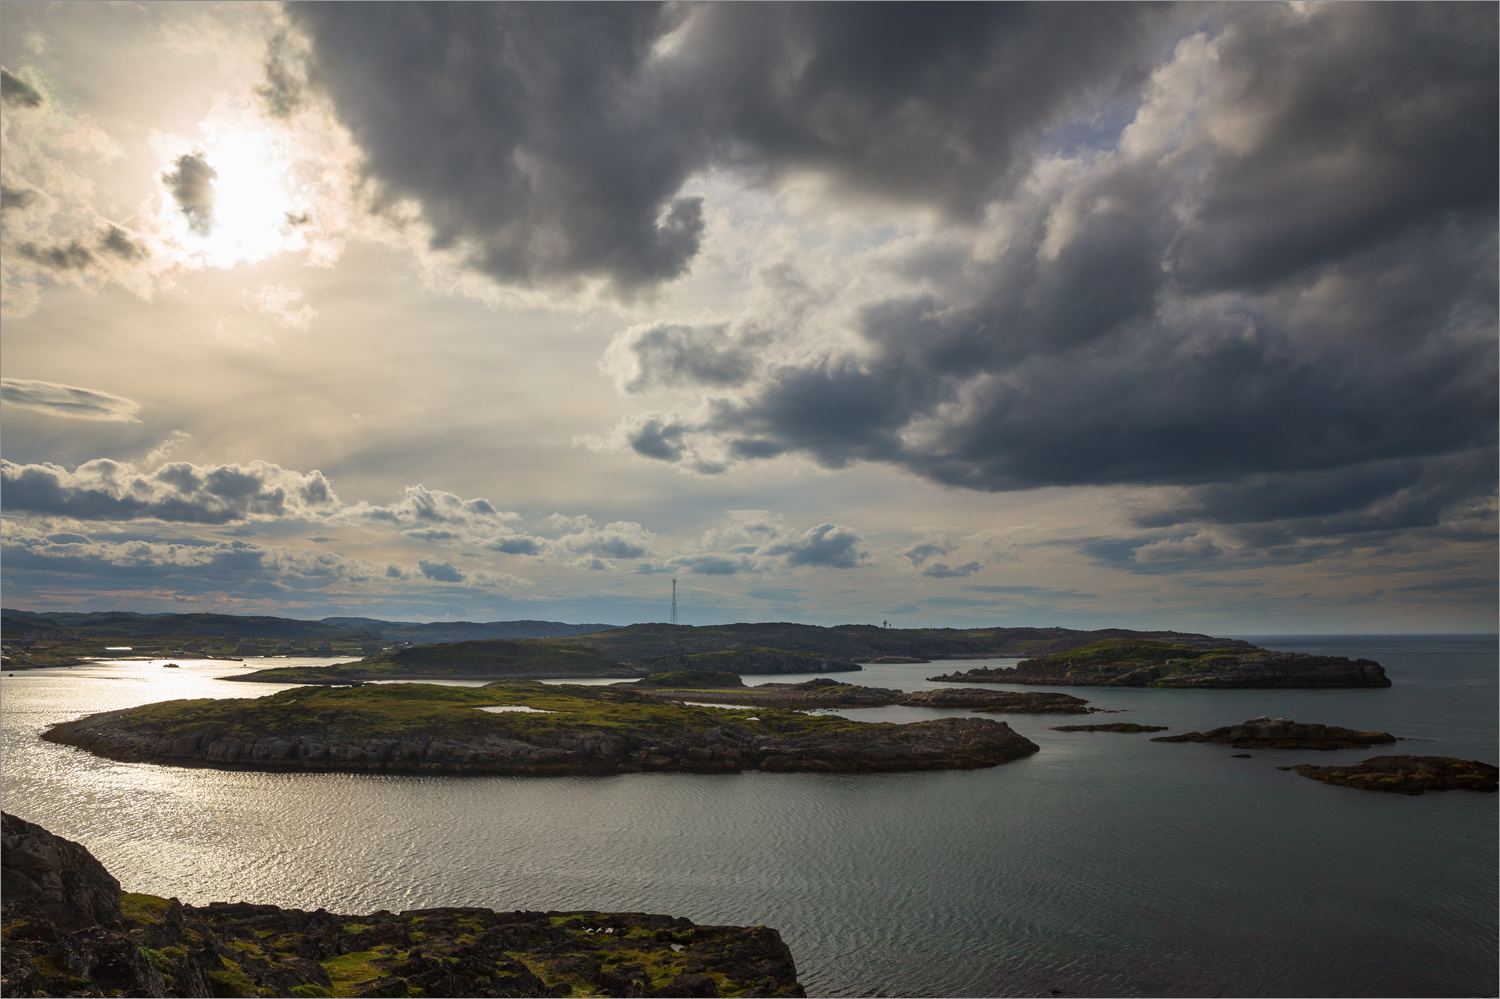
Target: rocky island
1130, 662
727, 688
1283, 733
1407, 774
69, 930
1126, 728
522, 729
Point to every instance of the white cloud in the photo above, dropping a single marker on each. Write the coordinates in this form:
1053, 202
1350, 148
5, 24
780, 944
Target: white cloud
68, 400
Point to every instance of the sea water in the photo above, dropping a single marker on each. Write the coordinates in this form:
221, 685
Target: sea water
1103, 865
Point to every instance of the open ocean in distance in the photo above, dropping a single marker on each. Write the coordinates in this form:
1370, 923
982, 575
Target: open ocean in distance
1103, 865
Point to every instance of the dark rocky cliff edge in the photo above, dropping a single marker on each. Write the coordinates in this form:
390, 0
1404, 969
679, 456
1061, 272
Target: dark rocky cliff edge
1123, 662
69, 930
425, 728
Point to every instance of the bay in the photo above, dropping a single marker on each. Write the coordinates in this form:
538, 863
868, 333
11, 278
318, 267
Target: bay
1103, 865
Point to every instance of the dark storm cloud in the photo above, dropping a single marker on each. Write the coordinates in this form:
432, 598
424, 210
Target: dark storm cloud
1286, 296
1385, 120
552, 141
192, 187
1275, 290
17, 92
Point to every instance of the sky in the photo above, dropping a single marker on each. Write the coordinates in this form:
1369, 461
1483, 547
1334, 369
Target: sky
1127, 315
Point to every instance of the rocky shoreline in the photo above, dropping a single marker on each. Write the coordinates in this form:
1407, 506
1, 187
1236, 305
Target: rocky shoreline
69, 930
571, 730
1283, 733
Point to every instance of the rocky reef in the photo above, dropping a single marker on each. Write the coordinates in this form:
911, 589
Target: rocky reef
568, 729
1128, 728
1125, 662
1283, 733
1407, 774
825, 693
69, 930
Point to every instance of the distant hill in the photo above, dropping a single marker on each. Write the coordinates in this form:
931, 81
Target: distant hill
861, 642
125, 624
478, 659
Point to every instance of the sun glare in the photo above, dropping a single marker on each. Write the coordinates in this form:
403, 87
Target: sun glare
250, 211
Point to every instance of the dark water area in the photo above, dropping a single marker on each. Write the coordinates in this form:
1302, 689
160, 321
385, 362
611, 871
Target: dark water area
1104, 865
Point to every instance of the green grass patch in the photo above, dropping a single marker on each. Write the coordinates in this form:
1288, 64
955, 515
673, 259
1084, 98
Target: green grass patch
143, 910
415, 709
349, 970
231, 980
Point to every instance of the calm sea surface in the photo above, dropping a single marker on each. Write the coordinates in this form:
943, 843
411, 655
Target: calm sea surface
1103, 865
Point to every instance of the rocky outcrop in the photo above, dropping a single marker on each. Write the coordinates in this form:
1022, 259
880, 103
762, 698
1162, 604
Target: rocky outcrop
1407, 774
362, 734
1127, 663
142, 945
1129, 728
823, 693
54, 877
1283, 733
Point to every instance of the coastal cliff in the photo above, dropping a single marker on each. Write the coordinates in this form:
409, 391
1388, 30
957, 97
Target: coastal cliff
69, 930
1132, 663
522, 729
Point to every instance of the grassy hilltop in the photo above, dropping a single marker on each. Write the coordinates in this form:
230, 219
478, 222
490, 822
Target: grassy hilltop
861, 642
567, 729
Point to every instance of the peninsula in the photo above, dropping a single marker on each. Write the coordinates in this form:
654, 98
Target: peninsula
727, 688
522, 729
70, 930
1131, 662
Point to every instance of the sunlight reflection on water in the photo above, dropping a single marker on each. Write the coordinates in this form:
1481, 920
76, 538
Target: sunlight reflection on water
1105, 864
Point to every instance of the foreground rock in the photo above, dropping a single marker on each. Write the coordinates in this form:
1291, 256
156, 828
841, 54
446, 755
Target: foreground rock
825, 693
69, 930
1123, 662
424, 728
1129, 728
1407, 774
1283, 733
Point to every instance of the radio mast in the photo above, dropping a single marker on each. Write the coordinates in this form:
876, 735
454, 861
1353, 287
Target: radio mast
674, 601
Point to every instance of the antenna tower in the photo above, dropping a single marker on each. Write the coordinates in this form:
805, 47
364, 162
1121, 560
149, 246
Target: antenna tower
674, 601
